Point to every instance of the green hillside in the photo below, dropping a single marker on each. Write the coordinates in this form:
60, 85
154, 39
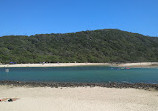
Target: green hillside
108, 45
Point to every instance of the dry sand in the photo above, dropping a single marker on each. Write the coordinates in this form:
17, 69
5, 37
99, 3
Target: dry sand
142, 64
53, 65
78, 99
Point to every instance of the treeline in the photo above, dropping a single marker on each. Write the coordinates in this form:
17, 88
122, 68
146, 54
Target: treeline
108, 45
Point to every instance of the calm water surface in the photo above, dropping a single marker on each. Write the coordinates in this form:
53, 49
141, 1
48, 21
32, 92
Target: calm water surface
93, 74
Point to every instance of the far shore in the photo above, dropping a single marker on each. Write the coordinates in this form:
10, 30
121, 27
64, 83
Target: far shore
140, 64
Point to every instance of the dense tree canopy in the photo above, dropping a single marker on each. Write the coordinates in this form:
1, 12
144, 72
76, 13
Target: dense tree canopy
108, 45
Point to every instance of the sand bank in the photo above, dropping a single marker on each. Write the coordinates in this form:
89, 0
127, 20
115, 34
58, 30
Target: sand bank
78, 99
142, 64
54, 65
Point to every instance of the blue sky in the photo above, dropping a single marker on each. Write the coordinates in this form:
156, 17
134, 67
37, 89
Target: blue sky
28, 17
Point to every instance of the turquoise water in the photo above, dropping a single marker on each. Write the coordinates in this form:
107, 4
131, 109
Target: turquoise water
95, 74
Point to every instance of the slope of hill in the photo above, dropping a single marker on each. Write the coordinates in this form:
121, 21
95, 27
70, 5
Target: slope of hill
107, 45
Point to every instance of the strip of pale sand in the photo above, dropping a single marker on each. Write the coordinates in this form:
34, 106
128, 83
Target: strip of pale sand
78, 99
54, 65
142, 64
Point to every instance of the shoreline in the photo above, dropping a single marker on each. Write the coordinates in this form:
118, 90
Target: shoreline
145, 86
137, 65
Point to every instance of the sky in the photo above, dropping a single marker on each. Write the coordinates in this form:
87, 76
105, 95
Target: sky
29, 17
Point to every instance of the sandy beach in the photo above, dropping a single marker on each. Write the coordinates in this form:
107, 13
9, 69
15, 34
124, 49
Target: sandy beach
78, 99
54, 65
142, 64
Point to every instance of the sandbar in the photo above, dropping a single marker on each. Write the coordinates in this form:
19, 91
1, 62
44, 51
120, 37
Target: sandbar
140, 64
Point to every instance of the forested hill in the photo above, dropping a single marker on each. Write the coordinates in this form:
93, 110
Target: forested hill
108, 45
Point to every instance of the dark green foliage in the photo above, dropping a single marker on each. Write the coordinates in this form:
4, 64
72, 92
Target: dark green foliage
108, 45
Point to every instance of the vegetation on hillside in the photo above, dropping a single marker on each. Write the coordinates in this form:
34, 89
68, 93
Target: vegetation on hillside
107, 45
